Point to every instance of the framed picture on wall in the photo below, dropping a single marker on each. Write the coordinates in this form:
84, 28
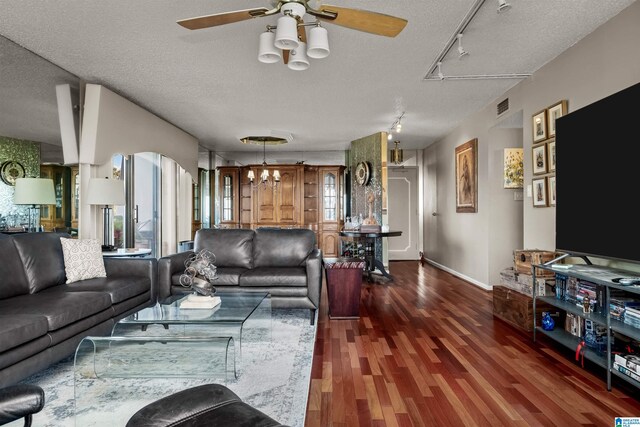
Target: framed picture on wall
539, 159
555, 112
539, 123
513, 168
540, 198
552, 190
551, 156
467, 176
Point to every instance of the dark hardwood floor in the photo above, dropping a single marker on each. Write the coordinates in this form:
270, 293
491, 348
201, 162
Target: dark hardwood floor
427, 351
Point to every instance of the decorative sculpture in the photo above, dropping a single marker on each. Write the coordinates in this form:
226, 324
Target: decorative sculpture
370, 220
199, 272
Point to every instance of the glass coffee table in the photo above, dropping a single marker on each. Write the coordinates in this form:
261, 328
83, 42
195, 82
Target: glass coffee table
168, 345
228, 319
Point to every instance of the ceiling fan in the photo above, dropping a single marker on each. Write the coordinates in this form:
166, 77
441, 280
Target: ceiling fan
356, 19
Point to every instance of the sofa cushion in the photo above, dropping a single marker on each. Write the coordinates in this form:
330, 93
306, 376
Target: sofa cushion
41, 255
282, 248
274, 276
18, 329
232, 247
58, 307
226, 276
82, 259
119, 288
13, 278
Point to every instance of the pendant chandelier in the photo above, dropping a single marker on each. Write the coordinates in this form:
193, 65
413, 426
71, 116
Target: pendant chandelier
264, 176
396, 154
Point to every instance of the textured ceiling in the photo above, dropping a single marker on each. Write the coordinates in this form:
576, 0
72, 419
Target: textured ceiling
209, 83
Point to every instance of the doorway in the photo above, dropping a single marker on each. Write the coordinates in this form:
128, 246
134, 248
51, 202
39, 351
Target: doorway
403, 213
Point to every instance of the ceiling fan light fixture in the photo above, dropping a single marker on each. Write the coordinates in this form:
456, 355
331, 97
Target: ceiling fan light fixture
298, 60
318, 46
267, 52
286, 33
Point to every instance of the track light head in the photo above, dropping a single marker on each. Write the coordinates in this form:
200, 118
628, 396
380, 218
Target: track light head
461, 52
503, 6
440, 75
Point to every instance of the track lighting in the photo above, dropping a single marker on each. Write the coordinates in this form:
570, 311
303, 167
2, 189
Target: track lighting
503, 6
461, 51
440, 75
395, 126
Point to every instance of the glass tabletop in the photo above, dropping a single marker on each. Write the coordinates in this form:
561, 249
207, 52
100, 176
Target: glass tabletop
234, 308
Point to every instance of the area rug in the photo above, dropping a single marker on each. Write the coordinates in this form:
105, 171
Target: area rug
273, 373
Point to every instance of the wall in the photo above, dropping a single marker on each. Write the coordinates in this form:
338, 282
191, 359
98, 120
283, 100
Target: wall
27, 153
114, 125
467, 244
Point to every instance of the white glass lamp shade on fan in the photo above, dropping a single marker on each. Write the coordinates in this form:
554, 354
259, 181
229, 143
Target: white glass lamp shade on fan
298, 60
318, 47
267, 52
286, 33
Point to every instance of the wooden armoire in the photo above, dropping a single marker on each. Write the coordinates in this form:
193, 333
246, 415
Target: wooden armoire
307, 196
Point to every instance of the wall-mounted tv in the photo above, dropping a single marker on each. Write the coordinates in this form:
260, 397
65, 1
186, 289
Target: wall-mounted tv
598, 178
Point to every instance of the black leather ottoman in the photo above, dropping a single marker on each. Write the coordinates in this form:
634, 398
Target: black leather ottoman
206, 405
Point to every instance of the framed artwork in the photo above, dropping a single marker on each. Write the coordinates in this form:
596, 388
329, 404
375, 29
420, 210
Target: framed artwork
539, 124
513, 167
467, 176
539, 159
540, 199
552, 190
555, 112
551, 156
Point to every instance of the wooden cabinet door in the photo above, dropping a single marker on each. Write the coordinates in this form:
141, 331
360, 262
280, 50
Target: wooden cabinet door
228, 196
288, 198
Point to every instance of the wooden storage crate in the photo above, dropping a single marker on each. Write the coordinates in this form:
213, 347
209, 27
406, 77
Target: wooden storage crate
523, 259
517, 309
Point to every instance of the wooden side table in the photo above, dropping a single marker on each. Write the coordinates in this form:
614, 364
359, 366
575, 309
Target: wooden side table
344, 279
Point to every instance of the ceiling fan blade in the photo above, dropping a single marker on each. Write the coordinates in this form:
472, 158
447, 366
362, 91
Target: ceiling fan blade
222, 18
285, 56
361, 20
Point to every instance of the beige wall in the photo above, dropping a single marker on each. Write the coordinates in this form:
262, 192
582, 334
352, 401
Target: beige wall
474, 245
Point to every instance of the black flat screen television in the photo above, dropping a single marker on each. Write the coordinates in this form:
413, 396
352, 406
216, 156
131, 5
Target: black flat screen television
598, 178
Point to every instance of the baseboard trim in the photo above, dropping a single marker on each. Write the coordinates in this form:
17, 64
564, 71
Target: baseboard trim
460, 275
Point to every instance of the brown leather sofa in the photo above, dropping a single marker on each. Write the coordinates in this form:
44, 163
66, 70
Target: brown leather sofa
282, 262
42, 319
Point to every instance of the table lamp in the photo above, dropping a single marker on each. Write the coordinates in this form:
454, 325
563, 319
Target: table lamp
106, 192
34, 192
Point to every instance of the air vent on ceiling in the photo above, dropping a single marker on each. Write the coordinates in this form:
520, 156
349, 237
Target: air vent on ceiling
503, 106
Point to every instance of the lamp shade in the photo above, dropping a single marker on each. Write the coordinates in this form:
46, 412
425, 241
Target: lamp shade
103, 191
298, 60
267, 52
34, 191
318, 47
286, 33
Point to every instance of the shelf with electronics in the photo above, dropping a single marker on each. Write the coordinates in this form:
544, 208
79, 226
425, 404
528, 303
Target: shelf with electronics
600, 315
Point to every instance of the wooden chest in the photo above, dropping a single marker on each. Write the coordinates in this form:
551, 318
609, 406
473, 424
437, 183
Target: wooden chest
517, 309
523, 259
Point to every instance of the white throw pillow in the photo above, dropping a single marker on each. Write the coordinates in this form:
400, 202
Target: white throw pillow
82, 259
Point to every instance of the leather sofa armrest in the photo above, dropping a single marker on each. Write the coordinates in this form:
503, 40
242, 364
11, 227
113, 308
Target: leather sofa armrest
167, 267
20, 401
314, 276
134, 267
